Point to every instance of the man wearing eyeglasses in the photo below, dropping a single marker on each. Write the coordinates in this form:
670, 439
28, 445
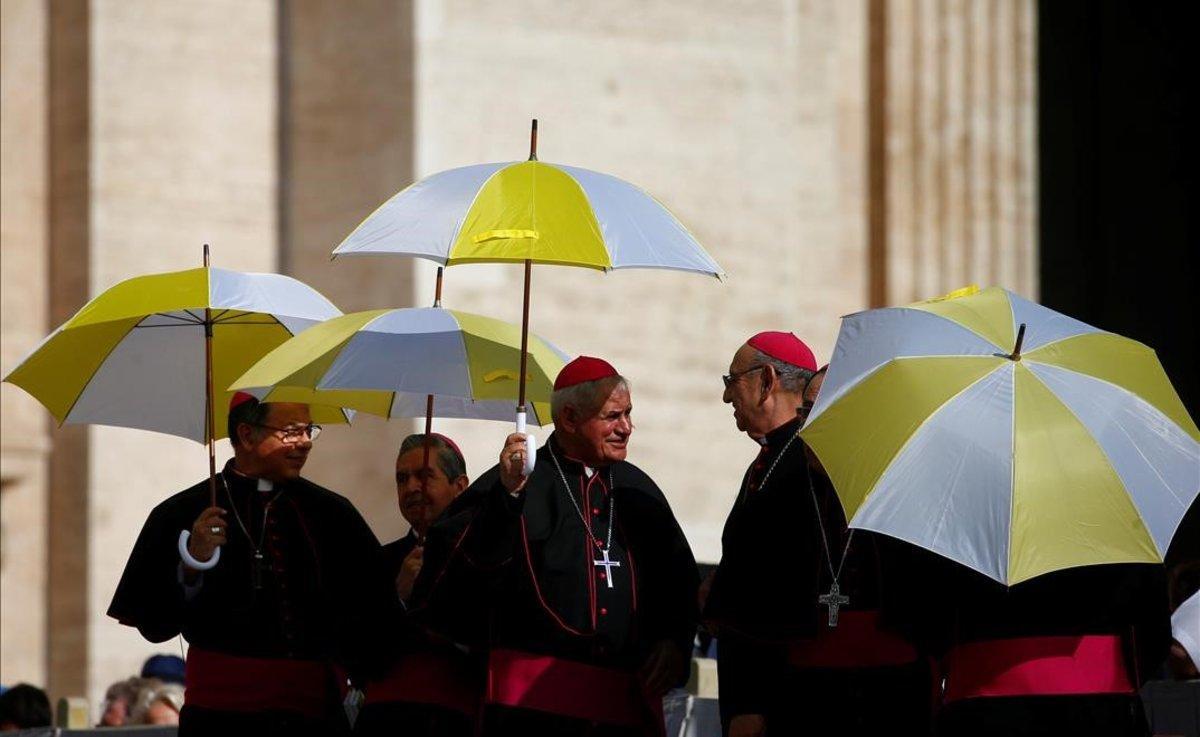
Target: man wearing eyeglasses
271, 587
794, 602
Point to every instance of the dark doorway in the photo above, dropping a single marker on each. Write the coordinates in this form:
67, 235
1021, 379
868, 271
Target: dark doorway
1118, 194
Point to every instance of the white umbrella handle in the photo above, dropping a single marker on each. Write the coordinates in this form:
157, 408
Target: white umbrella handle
530, 446
199, 565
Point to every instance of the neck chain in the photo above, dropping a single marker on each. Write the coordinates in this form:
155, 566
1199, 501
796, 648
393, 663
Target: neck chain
612, 503
835, 599
774, 463
258, 549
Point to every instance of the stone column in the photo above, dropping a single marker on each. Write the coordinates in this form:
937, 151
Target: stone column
346, 133
69, 529
24, 240
958, 148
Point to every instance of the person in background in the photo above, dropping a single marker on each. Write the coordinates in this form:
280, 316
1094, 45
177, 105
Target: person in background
120, 698
166, 668
158, 704
23, 707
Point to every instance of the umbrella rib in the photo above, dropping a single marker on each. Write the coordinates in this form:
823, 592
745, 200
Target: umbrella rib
171, 316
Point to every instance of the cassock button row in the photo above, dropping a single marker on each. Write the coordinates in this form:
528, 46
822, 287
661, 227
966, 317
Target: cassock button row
603, 611
596, 512
603, 575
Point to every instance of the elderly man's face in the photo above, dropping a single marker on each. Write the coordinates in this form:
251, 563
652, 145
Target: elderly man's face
604, 437
421, 507
274, 458
744, 392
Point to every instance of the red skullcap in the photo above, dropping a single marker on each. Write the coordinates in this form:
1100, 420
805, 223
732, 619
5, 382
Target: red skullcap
240, 398
451, 444
584, 368
785, 347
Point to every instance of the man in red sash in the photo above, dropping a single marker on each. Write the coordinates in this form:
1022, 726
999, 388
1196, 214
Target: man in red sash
1063, 654
430, 688
271, 588
576, 582
796, 599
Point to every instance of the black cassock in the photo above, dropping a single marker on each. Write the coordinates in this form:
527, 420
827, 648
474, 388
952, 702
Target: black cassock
777, 656
517, 578
976, 625
428, 687
264, 632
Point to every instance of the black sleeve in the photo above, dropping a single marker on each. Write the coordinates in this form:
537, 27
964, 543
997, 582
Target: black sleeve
149, 595
1151, 618
671, 611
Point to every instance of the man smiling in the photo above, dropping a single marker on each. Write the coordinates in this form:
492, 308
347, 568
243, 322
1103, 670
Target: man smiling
298, 576
578, 581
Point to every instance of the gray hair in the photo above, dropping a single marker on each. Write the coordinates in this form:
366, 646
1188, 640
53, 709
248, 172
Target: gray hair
587, 397
792, 378
168, 693
448, 459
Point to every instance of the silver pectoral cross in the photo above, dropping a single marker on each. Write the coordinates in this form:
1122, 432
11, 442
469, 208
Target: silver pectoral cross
833, 601
608, 566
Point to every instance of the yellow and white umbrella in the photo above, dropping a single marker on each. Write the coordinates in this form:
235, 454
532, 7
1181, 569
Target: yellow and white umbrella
529, 212
1005, 436
388, 362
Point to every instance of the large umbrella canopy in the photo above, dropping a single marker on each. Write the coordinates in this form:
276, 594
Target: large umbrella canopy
387, 362
1013, 450
135, 355
530, 210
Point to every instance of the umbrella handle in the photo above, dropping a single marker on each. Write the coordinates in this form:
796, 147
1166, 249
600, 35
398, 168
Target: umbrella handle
199, 565
530, 445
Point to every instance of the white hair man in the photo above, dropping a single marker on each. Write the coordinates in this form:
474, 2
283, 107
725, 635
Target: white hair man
578, 572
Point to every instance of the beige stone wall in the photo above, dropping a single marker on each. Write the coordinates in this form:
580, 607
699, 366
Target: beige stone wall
746, 119
23, 305
183, 153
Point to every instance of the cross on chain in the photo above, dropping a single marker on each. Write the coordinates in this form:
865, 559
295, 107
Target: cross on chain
834, 601
608, 565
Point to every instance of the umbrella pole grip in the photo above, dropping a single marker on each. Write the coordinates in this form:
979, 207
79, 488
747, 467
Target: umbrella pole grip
530, 445
189, 561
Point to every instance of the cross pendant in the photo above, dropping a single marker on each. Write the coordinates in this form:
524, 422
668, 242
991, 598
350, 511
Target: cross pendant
833, 601
608, 566
258, 570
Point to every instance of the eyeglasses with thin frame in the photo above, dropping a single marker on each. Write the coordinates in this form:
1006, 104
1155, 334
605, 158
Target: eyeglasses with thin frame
730, 378
294, 434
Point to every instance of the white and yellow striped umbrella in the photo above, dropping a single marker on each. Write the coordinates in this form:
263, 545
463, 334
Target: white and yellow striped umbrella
530, 210
939, 425
387, 362
135, 355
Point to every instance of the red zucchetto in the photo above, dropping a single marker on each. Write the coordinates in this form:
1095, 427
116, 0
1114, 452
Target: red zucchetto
584, 368
785, 347
240, 398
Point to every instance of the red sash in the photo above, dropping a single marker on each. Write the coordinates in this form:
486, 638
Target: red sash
571, 689
1037, 666
857, 642
439, 679
234, 683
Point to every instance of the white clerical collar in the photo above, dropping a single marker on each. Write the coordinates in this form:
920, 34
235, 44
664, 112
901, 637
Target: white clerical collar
265, 485
589, 471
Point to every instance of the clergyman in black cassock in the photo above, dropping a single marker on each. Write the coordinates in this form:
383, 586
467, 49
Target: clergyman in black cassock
1063, 654
783, 668
428, 687
298, 581
576, 581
